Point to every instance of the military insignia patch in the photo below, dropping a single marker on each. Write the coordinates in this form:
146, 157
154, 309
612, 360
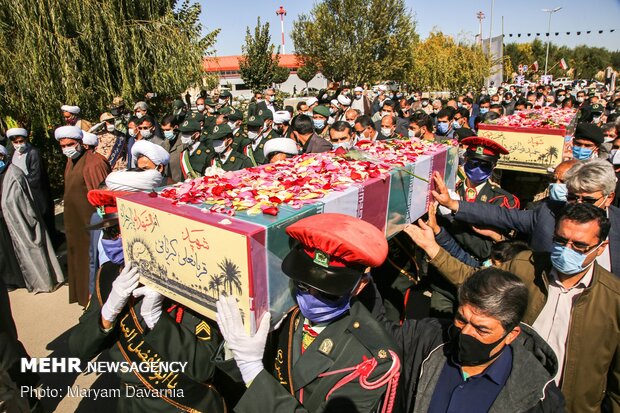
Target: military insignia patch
480, 150
198, 152
326, 346
382, 354
215, 129
232, 159
321, 258
260, 112
483, 198
252, 118
203, 331
186, 123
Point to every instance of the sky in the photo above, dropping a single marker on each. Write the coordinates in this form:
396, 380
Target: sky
453, 17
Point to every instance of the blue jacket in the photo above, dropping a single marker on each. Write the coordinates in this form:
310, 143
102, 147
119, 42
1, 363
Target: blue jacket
538, 224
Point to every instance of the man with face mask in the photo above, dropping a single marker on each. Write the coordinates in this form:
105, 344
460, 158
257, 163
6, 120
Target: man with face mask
223, 155
421, 127
444, 125
84, 171
328, 348
147, 129
281, 123
28, 158
268, 103
388, 128
570, 295
485, 360
256, 137
364, 129
340, 135
121, 114
195, 153
587, 140
112, 144
361, 101
320, 114
71, 116
166, 330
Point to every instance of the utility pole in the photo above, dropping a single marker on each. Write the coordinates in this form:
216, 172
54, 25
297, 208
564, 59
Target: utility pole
281, 12
491, 25
550, 11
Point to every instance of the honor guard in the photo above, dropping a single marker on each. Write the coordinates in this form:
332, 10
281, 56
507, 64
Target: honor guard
138, 325
259, 132
223, 156
329, 353
196, 154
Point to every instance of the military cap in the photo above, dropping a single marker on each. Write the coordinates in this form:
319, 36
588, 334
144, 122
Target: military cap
597, 108
105, 202
589, 131
117, 102
265, 114
178, 104
220, 132
190, 125
483, 148
321, 110
255, 121
235, 115
106, 116
333, 251
225, 94
197, 116
227, 110
209, 102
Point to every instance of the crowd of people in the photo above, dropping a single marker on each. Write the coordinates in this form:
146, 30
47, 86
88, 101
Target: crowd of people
524, 310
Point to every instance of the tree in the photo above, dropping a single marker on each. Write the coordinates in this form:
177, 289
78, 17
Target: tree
231, 275
306, 73
443, 64
357, 40
258, 63
280, 74
85, 52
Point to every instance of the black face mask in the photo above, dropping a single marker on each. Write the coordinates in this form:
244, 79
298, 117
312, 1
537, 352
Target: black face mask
472, 352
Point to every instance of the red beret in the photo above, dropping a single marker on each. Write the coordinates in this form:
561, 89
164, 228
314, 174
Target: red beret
333, 252
484, 146
105, 200
346, 240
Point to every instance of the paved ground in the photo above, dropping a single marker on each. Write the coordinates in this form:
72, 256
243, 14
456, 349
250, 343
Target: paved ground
44, 322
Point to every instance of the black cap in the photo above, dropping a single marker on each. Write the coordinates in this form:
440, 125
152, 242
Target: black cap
590, 132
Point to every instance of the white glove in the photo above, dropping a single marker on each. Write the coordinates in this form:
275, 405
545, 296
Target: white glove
122, 287
247, 350
151, 305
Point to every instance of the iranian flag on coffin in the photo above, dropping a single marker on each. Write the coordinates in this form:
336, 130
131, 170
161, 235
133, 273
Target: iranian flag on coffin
225, 234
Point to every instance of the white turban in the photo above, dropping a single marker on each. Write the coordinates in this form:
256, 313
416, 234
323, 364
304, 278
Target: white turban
89, 139
358, 89
16, 132
334, 102
134, 180
344, 100
69, 132
284, 145
3, 150
281, 116
312, 101
383, 88
71, 109
154, 152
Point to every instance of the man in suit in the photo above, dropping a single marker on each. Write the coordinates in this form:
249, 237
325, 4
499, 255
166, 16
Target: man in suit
269, 103
591, 181
307, 140
329, 349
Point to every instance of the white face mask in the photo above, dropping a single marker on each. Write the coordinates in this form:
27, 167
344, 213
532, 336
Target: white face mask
386, 131
221, 101
146, 134
186, 139
219, 146
596, 119
109, 127
200, 108
253, 135
343, 145
131, 132
20, 147
411, 134
72, 152
232, 125
139, 115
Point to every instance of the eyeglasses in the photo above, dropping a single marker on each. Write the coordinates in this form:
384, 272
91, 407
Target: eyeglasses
576, 246
479, 163
580, 199
301, 286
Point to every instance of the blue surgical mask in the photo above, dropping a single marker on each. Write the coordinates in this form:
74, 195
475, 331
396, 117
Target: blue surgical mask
483, 110
318, 123
319, 309
169, 134
113, 249
456, 124
2, 166
568, 261
581, 154
477, 174
558, 192
443, 127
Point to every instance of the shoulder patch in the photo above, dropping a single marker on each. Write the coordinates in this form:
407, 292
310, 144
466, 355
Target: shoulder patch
203, 331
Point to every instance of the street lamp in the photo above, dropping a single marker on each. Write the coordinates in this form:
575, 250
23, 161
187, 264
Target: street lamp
550, 11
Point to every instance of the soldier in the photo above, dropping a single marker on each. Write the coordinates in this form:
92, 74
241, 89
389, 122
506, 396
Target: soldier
225, 99
259, 132
223, 155
121, 114
139, 325
240, 138
320, 114
329, 354
196, 153
480, 159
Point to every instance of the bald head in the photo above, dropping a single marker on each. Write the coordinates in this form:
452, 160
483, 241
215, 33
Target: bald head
561, 169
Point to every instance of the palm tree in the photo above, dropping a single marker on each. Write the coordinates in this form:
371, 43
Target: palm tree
552, 153
231, 275
215, 284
